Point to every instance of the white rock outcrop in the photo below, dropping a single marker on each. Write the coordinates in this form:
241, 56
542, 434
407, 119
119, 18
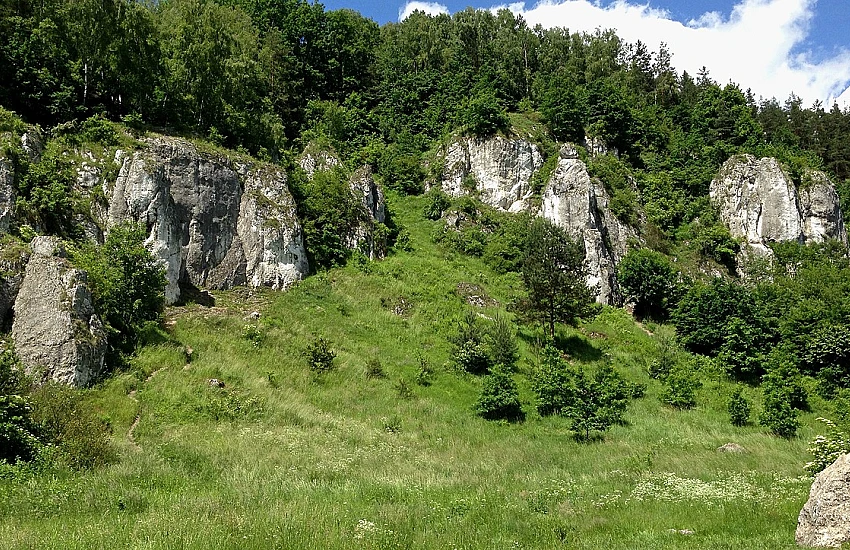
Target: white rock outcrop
7, 194
824, 521
760, 204
500, 168
56, 331
579, 204
214, 223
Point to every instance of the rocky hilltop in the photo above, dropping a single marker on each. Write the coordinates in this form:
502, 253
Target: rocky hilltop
760, 204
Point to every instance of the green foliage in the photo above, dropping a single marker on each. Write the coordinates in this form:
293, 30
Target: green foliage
738, 408
501, 341
499, 398
680, 387
704, 314
18, 432
554, 275
67, 422
320, 355
597, 402
617, 179
45, 193
564, 109
438, 202
425, 374
668, 355
649, 279
229, 405
827, 355
127, 283
777, 414
783, 377
400, 167
328, 212
552, 383
826, 449
716, 243
483, 116
374, 369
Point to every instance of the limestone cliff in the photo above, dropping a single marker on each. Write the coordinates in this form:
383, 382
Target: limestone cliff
56, 331
574, 201
760, 204
213, 221
499, 169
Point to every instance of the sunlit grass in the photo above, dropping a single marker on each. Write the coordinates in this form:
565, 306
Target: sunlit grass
284, 458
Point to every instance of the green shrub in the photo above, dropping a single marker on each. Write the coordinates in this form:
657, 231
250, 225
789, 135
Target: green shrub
438, 202
328, 212
98, 129
127, 283
552, 383
374, 369
320, 355
668, 357
499, 398
228, 405
483, 116
501, 339
596, 403
425, 374
739, 408
649, 279
680, 387
778, 415
470, 353
18, 432
403, 389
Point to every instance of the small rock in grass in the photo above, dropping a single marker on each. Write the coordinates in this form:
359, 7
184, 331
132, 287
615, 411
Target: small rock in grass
216, 383
731, 448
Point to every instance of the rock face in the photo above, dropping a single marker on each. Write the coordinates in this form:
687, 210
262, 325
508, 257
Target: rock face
213, 222
760, 204
825, 518
580, 205
55, 326
7, 194
364, 187
499, 169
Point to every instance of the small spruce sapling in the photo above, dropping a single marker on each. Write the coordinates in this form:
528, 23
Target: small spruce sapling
320, 355
739, 408
499, 398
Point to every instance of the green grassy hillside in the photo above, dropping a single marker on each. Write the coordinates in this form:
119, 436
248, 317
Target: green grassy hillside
283, 458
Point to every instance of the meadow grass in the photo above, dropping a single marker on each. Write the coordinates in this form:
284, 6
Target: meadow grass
282, 457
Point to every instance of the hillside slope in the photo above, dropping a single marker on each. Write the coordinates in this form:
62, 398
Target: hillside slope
283, 458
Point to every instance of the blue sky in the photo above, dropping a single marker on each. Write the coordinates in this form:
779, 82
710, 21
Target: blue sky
774, 47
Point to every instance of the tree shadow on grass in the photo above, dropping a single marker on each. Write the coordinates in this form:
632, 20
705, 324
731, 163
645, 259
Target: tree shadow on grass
578, 348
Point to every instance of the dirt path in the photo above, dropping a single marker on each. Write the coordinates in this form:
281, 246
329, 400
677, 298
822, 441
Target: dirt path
132, 395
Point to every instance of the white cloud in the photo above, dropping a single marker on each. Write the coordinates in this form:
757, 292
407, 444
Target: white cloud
431, 8
753, 46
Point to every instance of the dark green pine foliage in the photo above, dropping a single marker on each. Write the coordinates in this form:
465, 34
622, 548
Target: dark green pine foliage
554, 275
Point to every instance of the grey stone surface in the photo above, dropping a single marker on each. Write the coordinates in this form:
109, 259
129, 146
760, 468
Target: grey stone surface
572, 200
501, 169
56, 331
760, 204
824, 521
213, 222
